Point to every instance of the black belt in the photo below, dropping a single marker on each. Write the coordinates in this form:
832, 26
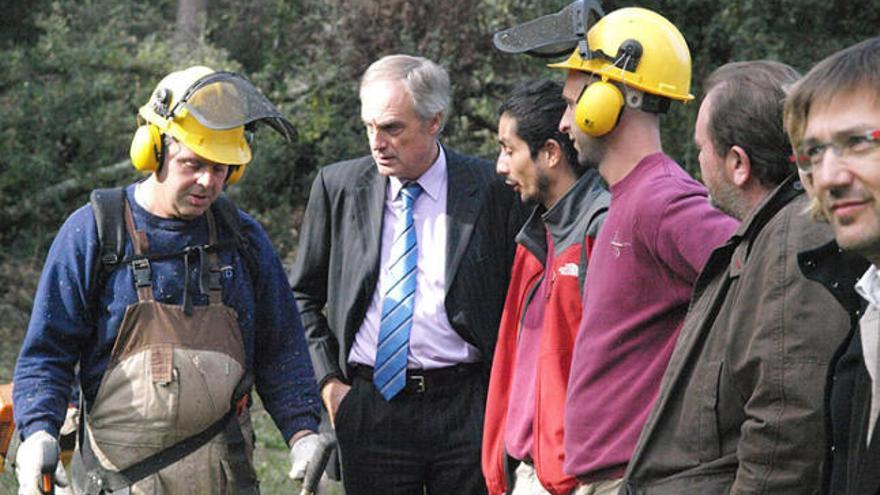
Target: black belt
419, 381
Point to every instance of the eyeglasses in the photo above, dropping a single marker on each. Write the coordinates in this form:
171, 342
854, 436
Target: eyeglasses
848, 146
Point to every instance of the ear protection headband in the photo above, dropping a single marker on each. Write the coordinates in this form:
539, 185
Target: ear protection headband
601, 102
147, 149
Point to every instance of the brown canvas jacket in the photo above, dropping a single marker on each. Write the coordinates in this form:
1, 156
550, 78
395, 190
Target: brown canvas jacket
740, 407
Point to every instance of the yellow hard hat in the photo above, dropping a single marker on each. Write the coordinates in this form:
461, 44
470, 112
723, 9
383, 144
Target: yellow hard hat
170, 111
208, 111
640, 49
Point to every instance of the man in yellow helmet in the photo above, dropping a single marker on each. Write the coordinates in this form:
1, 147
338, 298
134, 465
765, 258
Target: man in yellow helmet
659, 231
168, 323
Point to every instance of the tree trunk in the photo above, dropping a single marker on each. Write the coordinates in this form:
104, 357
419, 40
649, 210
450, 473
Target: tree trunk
190, 24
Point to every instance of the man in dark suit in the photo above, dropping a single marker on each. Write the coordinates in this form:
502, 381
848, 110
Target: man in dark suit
410, 250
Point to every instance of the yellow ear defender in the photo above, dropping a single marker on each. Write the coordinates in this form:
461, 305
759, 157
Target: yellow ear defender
598, 108
146, 148
639, 50
235, 173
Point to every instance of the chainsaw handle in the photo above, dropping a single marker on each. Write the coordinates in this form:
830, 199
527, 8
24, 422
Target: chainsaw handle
49, 462
318, 462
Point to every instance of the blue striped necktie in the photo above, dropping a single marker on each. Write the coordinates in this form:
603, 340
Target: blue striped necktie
389, 374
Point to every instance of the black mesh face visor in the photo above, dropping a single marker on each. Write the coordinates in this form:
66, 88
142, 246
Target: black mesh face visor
225, 100
552, 35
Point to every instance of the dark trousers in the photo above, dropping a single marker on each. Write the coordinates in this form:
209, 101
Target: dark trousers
424, 441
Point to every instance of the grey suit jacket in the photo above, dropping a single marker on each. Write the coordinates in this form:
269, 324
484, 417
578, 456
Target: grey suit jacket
337, 265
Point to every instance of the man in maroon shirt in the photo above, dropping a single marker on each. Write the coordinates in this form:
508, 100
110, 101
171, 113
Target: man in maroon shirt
659, 232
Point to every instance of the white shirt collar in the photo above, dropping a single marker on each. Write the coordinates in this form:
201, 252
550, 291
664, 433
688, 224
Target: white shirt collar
869, 286
431, 180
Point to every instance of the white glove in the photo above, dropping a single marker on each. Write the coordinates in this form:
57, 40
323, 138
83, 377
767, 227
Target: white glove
300, 455
37, 449
71, 421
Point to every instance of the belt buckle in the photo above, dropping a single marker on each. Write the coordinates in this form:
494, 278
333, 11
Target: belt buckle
420, 380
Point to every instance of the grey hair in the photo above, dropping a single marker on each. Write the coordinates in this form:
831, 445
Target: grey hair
426, 82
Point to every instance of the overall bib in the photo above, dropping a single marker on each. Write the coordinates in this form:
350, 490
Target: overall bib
172, 374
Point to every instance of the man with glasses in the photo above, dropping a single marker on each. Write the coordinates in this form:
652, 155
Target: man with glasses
833, 118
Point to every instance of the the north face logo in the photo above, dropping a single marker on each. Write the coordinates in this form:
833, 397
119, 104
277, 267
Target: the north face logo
569, 269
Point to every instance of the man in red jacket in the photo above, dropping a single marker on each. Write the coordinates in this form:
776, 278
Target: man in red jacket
527, 388
623, 71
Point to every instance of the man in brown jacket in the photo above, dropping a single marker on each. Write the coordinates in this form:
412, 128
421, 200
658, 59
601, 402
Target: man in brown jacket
740, 405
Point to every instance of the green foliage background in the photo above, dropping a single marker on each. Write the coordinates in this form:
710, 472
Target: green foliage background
73, 73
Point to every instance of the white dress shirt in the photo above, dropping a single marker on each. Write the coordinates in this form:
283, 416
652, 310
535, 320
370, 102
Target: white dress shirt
433, 343
869, 328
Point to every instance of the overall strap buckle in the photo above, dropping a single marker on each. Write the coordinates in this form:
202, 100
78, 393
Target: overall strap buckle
142, 272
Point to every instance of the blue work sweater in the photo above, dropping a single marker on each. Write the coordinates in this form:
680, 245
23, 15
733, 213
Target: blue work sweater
64, 329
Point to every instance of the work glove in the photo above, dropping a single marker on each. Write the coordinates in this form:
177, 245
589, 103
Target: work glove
302, 453
37, 453
71, 421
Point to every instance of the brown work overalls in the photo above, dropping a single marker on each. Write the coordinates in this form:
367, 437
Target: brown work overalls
170, 376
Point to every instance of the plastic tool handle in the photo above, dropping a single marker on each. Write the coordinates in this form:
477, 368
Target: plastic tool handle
318, 462
47, 469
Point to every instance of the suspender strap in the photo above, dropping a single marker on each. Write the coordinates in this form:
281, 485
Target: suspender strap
209, 262
111, 220
107, 206
102, 481
209, 273
209, 281
143, 276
